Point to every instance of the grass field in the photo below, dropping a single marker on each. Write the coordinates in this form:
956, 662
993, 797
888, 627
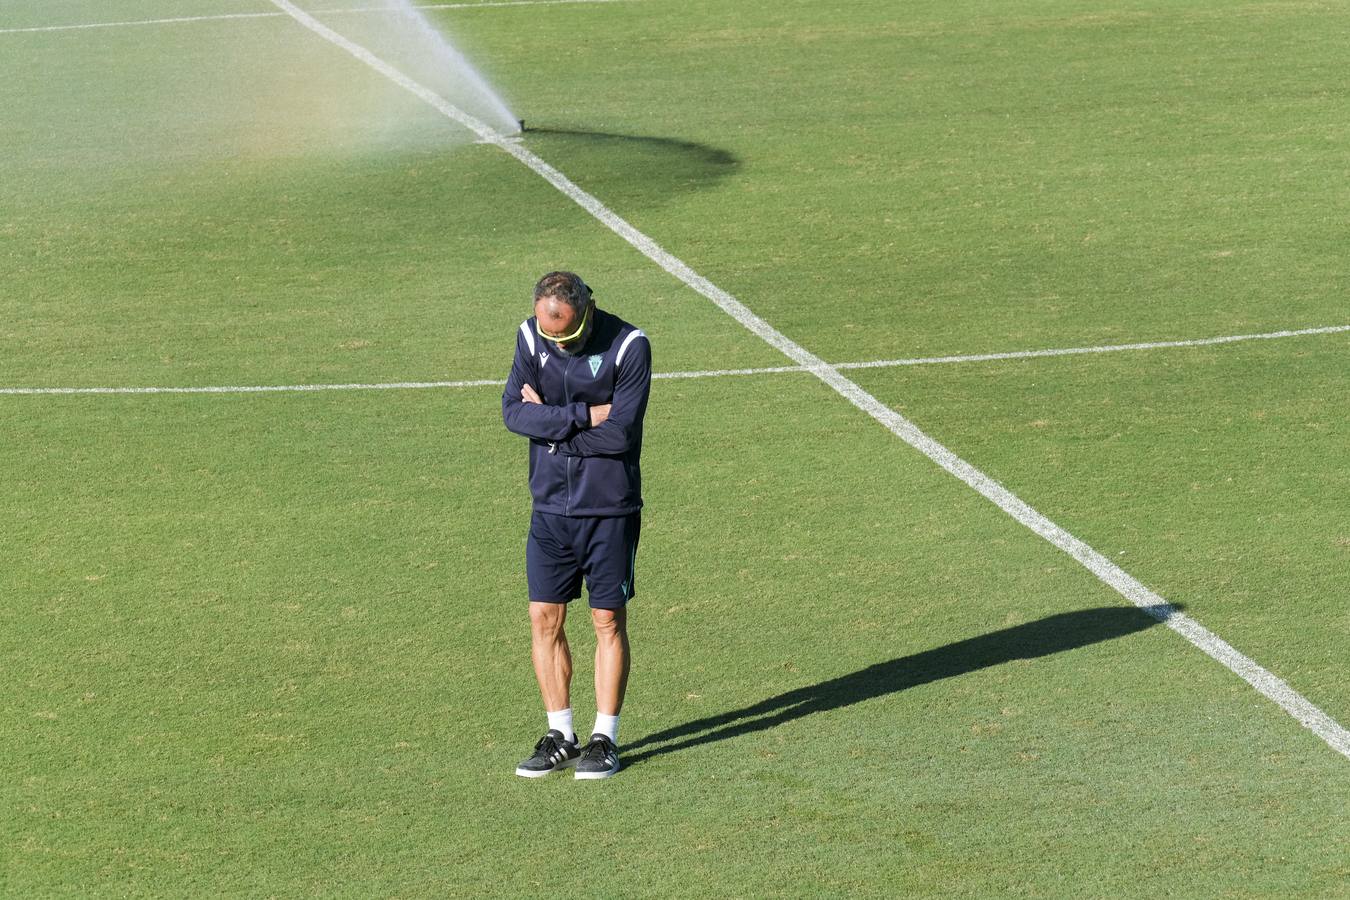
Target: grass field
275, 644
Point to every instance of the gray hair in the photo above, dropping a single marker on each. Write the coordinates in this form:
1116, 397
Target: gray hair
565, 286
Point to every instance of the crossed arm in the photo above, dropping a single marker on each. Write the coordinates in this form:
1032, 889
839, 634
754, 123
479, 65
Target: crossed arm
598, 414
579, 429
525, 413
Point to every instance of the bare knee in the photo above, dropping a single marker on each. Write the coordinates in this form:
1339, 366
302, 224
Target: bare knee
546, 619
610, 623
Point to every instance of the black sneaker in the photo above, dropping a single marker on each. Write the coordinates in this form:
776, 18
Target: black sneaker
553, 752
599, 758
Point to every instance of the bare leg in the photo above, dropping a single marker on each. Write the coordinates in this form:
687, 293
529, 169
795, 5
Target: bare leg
552, 657
611, 659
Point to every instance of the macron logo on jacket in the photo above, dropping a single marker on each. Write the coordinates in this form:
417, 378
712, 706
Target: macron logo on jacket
576, 470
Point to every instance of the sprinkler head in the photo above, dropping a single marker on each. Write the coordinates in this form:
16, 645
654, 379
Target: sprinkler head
521, 123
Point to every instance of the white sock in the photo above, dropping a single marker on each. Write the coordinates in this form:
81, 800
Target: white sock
607, 725
561, 720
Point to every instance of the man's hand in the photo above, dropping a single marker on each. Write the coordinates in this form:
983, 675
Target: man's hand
599, 413
528, 395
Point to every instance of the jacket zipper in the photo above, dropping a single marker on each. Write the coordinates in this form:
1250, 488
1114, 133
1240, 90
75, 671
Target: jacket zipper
567, 460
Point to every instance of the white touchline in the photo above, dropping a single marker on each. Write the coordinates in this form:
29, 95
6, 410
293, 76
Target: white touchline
490, 3
171, 21
1106, 348
706, 373
220, 17
258, 388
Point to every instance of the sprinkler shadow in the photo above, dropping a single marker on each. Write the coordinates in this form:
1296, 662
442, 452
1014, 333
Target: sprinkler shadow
632, 163
1044, 637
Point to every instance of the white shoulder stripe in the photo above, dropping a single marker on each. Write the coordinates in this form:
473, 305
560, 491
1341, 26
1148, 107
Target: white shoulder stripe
635, 333
529, 335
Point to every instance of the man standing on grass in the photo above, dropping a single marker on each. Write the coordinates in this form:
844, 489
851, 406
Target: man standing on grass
578, 390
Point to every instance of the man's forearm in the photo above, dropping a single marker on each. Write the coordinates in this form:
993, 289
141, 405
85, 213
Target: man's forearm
613, 438
544, 422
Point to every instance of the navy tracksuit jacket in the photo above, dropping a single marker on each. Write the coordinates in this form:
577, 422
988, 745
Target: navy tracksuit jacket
576, 470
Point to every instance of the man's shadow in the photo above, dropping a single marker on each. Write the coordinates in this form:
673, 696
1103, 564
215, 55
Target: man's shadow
1053, 634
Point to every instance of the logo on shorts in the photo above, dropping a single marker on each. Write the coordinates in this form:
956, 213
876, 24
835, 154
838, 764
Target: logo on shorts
595, 364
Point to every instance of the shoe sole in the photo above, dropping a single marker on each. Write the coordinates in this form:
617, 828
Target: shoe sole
540, 773
591, 776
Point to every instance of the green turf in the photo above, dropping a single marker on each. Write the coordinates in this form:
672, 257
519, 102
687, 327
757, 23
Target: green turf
275, 645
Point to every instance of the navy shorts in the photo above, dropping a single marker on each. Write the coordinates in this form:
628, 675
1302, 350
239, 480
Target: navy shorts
561, 550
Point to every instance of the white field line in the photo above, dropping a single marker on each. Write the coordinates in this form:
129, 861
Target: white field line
1108, 572
172, 21
375, 386
220, 17
706, 373
258, 388
1106, 348
485, 5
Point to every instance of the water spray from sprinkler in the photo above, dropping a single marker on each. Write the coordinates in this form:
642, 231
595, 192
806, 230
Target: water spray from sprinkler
427, 55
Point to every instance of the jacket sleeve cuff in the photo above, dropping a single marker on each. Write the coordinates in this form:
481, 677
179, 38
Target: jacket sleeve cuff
581, 415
